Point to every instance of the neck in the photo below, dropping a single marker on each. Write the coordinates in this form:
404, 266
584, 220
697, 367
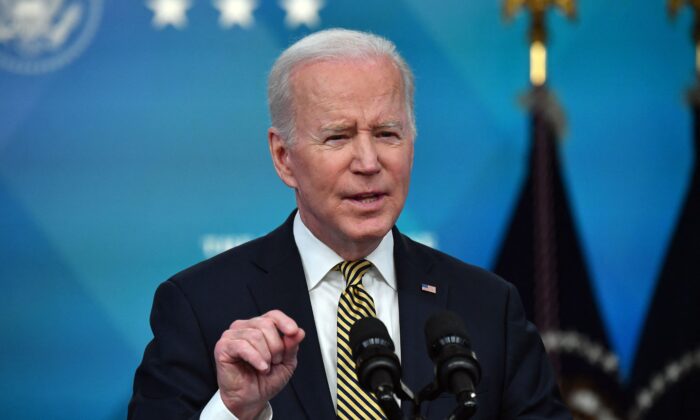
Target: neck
355, 251
349, 250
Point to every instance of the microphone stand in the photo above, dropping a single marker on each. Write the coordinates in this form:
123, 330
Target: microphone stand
386, 398
466, 402
387, 395
466, 406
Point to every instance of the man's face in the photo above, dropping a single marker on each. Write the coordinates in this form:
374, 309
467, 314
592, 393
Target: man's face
351, 159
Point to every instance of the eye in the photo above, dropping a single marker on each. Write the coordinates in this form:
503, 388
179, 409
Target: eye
388, 134
336, 137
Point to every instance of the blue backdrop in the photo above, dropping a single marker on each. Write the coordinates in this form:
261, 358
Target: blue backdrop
134, 144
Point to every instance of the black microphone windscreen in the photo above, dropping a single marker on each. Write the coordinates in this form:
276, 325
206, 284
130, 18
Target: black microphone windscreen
445, 323
365, 329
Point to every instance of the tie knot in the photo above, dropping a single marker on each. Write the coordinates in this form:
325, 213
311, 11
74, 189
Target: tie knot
353, 271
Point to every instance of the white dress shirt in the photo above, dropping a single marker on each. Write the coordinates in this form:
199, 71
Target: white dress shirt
325, 287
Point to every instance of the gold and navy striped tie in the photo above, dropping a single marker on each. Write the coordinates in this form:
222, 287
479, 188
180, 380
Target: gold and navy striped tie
355, 303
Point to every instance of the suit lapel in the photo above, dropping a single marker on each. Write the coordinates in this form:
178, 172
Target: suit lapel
285, 288
414, 267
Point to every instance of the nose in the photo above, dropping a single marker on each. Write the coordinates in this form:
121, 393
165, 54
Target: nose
366, 158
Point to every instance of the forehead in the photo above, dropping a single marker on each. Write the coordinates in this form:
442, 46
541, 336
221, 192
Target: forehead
360, 81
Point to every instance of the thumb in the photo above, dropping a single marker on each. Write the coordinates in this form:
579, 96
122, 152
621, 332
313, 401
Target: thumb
291, 346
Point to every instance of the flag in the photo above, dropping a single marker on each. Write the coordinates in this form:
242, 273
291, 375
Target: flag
428, 288
665, 380
542, 257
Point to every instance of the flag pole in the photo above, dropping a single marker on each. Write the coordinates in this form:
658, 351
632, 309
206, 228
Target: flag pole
547, 127
538, 30
666, 345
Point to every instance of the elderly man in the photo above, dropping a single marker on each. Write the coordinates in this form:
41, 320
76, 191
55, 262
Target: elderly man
261, 330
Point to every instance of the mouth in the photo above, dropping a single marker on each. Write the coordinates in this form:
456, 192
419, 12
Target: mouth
367, 198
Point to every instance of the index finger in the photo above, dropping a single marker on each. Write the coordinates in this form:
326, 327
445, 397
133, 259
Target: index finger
284, 324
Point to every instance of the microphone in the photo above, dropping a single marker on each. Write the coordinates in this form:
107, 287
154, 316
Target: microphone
377, 366
457, 370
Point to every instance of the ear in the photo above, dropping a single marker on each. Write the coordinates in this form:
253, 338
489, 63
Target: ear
280, 152
413, 149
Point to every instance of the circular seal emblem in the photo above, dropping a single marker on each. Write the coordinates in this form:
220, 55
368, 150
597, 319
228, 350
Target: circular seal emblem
39, 36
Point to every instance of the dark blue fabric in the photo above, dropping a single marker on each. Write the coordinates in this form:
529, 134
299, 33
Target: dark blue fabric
177, 376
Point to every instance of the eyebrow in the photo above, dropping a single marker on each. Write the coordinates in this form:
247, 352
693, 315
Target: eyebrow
341, 127
389, 124
337, 127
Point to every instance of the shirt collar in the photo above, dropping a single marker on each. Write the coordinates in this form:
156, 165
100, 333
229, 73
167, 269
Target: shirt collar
318, 259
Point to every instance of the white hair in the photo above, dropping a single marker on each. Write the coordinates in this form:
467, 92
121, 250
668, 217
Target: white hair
330, 44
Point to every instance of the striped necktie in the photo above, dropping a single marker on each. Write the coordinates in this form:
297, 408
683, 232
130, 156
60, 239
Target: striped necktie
355, 303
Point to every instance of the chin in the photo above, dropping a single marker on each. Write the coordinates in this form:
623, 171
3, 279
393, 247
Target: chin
364, 232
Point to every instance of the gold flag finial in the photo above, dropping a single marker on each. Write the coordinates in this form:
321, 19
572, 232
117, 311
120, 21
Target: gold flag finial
538, 30
674, 6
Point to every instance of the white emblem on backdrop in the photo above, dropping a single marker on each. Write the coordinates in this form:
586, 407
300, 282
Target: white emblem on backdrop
302, 12
38, 36
169, 12
235, 12
213, 244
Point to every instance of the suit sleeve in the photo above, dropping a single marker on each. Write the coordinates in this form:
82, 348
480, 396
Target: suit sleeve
176, 378
531, 390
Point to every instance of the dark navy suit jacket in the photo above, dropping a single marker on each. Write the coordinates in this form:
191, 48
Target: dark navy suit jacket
177, 376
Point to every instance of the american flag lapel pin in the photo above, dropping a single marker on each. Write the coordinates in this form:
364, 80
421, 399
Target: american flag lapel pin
428, 288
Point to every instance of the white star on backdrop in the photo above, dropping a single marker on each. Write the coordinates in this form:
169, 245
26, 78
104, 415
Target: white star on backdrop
234, 12
169, 12
302, 12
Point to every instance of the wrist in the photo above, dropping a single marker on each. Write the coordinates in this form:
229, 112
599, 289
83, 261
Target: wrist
244, 411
